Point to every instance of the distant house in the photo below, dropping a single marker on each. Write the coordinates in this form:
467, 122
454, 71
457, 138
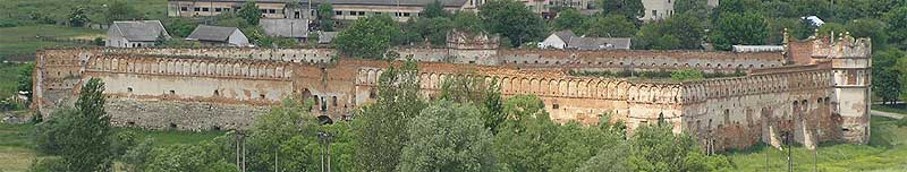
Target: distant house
218, 36
568, 40
289, 28
596, 43
557, 40
128, 34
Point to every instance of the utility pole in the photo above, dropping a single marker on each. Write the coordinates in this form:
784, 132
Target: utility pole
790, 165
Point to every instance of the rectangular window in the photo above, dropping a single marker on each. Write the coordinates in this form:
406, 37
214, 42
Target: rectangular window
184, 8
218, 9
362, 13
654, 13
205, 9
197, 9
405, 14
272, 11
339, 13
377, 13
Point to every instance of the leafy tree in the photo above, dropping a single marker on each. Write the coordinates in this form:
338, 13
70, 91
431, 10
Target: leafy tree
182, 27
686, 74
885, 77
186, 157
367, 38
735, 29
447, 136
138, 157
829, 28
81, 137
119, 10
77, 17
468, 22
569, 19
434, 9
898, 23
683, 31
512, 20
872, 28
631, 9
683, 6
274, 132
610, 158
250, 12
380, 128
478, 91
524, 138
434, 30
657, 148
609, 26
326, 16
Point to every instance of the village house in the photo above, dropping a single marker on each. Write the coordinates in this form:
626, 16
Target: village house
218, 36
568, 40
289, 28
129, 34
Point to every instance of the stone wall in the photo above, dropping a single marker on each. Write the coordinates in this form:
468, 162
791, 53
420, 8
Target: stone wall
820, 98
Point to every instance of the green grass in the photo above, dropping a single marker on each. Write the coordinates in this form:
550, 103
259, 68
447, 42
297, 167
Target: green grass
887, 151
17, 41
9, 78
17, 154
59, 10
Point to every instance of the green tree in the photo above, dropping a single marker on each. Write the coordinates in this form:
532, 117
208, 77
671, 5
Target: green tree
631, 9
829, 28
24, 80
524, 138
433, 30
684, 6
513, 21
119, 10
478, 91
886, 82
447, 136
686, 74
468, 22
182, 27
871, 28
666, 42
898, 23
188, 157
735, 29
326, 16
367, 38
380, 128
434, 9
609, 26
657, 148
82, 136
683, 31
569, 19
250, 12
77, 17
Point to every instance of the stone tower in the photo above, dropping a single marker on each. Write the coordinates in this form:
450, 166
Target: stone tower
472, 48
852, 67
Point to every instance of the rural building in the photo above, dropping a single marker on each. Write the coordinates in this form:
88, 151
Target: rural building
218, 36
401, 10
129, 34
288, 28
568, 40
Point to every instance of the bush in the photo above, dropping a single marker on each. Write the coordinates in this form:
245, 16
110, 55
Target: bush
48, 165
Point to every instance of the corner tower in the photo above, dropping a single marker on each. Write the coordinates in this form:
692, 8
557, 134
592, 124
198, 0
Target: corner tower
852, 67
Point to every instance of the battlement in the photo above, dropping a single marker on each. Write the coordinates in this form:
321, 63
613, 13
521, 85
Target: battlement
844, 46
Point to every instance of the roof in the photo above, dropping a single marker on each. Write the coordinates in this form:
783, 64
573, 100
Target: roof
296, 28
565, 35
758, 48
140, 31
420, 3
212, 33
326, 37
595, 43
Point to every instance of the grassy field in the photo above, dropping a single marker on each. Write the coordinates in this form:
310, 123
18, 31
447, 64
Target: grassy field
23, 40
16, 152
887, 151
895, 108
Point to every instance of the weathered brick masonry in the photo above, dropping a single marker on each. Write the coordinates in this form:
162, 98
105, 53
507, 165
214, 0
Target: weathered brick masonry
817, 90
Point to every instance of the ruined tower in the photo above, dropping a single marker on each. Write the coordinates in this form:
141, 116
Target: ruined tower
851, 65
472, 48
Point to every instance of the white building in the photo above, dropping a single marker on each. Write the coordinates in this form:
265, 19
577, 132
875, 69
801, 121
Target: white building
219, 36
128, 34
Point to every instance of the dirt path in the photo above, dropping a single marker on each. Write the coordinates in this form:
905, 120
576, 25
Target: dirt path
886, 114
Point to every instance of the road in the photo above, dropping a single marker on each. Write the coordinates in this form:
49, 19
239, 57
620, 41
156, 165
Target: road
886, 114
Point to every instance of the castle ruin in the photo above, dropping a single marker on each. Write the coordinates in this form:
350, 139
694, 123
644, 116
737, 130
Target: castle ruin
814, 91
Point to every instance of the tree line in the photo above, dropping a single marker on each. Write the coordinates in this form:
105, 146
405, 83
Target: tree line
467, 126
